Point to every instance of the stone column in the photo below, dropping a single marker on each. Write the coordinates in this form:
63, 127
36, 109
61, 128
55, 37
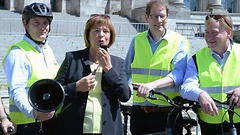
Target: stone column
215, 4
12, 5
60, 6
237, 6
177, 10
9, 4
126, 8
64, 6
178, 3
108, 7
203, 5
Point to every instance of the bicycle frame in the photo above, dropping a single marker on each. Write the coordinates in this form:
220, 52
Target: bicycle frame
179, 104
233, 130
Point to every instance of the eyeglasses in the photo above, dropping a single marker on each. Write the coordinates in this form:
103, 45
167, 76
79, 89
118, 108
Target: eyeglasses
101, 15
155, 17
218, 17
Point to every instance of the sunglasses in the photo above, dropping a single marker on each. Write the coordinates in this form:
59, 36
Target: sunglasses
218, 17
101, 15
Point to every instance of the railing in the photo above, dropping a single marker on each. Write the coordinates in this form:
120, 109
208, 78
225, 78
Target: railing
10, 26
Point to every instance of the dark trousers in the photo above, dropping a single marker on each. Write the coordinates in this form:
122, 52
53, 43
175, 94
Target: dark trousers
34, 128
153, 122
216, 129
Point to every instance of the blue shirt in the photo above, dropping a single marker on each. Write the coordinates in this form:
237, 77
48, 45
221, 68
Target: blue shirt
179, 61
190, 87
17, 69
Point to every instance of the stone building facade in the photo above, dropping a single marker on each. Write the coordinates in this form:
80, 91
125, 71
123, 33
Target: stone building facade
133, 9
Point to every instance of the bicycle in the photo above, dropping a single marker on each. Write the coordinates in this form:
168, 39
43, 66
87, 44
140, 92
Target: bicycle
194, 106
230, 111
179, 105
126, 111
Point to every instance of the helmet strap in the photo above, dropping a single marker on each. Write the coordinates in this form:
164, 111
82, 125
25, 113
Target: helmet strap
37, 42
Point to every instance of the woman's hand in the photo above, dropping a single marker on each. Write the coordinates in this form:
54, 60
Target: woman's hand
86, 83
104, 59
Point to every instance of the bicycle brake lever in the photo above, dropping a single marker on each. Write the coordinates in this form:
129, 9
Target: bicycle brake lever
135, 87
165, 96
228, 98
151, 95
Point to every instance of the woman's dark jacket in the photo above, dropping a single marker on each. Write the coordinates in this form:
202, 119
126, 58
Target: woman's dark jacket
114, 89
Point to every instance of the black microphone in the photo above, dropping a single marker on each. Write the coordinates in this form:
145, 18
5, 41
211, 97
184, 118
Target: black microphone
104, 46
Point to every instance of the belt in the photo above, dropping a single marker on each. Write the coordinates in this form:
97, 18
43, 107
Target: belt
152, 109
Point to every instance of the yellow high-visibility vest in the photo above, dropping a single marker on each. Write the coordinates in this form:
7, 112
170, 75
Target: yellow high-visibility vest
39, 71
147, 67
216, 82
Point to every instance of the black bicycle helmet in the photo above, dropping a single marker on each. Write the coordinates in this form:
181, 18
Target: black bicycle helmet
37, 10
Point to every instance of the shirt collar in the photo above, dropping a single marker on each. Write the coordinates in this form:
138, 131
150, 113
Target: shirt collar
229, 49
166, 36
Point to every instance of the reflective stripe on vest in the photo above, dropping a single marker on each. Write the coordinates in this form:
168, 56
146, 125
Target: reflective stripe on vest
216, 82
39, 71
153, 72
147, 67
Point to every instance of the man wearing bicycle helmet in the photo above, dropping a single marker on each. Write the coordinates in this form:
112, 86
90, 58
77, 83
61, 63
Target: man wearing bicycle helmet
26, 62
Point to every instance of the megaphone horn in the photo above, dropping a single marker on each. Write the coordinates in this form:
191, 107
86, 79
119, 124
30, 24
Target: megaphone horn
46, 95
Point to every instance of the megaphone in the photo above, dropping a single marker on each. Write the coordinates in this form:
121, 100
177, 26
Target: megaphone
46, 95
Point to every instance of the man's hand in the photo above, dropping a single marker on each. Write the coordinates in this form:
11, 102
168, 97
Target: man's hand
207, 104
235, 97
43, 116
143, 89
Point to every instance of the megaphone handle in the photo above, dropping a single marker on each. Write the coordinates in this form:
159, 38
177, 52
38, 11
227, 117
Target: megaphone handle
41, 127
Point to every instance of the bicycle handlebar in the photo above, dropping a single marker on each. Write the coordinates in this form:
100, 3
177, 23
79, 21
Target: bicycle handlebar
152, 92
177, 101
